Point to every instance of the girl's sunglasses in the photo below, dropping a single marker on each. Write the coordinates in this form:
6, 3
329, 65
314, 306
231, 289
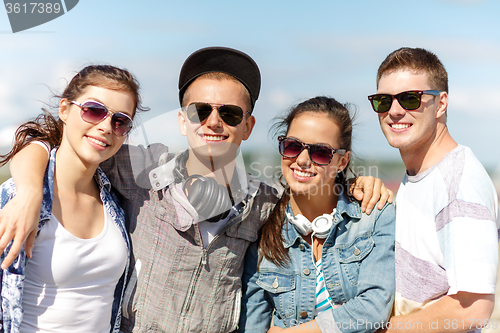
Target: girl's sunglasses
94, 112
319, 154
409, 100
232, 115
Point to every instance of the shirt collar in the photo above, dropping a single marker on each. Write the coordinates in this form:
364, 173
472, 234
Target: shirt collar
163, 176
348, 206
102, 180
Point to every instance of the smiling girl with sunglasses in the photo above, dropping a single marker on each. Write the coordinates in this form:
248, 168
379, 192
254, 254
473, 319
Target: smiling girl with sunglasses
74, 280
321, 263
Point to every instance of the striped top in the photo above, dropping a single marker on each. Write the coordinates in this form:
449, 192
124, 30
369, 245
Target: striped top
323, 299
446, 236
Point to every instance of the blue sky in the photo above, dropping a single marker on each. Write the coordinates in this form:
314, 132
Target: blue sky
303, 49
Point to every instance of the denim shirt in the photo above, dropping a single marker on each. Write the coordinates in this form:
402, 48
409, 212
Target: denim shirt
12, 278
358, 268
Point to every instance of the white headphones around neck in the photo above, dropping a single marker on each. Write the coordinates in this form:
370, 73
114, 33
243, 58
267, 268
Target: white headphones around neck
320, 226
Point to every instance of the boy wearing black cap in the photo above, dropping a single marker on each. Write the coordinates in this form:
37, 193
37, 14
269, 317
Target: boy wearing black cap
189, 256
189, 262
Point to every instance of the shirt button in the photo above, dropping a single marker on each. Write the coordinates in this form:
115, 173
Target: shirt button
301, 247
356, 251
155, 176
303, 314
306, 271
157, 184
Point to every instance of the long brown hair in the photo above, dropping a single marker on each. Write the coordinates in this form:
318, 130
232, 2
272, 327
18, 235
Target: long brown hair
49, 129
271, 240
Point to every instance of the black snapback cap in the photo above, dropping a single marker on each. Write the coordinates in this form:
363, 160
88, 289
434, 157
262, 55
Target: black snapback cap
225, 60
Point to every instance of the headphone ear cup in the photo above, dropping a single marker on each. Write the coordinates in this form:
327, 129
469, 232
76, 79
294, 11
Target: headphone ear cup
197, 191
210, 199
201, 195
301, 223
322, 225
219, 207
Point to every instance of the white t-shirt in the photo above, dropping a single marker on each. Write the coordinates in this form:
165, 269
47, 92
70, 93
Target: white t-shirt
446, 234
70, 282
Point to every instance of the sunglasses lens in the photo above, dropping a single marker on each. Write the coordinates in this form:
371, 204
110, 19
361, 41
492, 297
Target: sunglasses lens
93, 112
290, 148
198, 112
410, 100
121, 124
320, 154
231, 114
381, 103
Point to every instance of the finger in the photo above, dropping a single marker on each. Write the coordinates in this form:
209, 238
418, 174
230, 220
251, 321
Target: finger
353, 189
30, 242
2, 224
2, 231
384, 196
367, 186
374, 197
13, 252
360, 185
391, 196
7, 236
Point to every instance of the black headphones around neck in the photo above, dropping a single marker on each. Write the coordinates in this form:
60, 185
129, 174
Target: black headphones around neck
212, 201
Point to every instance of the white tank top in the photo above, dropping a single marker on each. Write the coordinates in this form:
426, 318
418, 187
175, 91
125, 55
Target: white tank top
70, 282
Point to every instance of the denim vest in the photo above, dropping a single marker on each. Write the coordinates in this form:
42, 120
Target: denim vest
12, 278
358, 268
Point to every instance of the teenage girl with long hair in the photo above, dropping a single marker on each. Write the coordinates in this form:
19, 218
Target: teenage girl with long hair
74, 280
322, 265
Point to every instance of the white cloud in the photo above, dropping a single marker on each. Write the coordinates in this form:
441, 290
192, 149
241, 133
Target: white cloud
7, 136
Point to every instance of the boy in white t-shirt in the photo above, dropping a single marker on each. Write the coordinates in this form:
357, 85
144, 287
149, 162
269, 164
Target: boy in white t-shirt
446, 235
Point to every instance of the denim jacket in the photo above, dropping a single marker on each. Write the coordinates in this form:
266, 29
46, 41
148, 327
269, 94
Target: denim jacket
12, 278
358, 268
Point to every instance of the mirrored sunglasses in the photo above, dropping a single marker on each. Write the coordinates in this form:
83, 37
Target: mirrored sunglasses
319, 154
94, 112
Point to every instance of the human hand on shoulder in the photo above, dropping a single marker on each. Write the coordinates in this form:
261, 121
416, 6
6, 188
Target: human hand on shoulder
370, 190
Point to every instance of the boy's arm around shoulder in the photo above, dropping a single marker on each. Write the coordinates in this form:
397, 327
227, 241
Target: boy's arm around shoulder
462, 312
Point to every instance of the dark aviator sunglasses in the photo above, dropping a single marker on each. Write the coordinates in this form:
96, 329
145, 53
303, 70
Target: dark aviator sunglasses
198, 112
319, 154
409, 100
